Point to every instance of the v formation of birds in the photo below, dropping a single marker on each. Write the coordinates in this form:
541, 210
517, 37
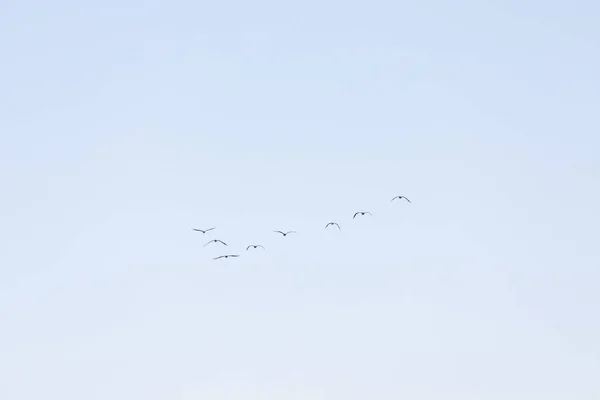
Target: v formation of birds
284, 234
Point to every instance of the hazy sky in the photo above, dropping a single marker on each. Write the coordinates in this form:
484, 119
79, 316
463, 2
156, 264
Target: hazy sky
124, 124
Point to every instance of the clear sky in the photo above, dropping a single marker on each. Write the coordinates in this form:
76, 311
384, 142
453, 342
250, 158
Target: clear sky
124, 124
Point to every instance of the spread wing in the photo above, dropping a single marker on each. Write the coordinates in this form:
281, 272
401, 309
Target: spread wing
355, 215
400, 198
279, 232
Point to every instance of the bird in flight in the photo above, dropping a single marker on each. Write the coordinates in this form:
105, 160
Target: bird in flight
215, 241
285, 233
203, 231
361, 213
400, 198
227, 256
255, 246
333, 223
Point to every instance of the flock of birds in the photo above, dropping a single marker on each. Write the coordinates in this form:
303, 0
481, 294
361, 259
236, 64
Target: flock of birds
284, 234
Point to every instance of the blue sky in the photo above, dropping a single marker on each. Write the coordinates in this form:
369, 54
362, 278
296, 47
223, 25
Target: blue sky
124, 124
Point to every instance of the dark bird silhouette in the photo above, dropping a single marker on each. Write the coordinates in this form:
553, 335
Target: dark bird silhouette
203, 231
255, 246
227, 256
333, 223
215, 241
400, 198
361, 213
285, 233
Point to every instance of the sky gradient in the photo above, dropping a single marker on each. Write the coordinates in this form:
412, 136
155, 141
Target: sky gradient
124, 124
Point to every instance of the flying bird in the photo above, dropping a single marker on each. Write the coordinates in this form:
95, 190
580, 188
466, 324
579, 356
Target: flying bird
203, 231
285, 233
215, 241
254, 246
400, 198
227, 256
333, 223
361, 213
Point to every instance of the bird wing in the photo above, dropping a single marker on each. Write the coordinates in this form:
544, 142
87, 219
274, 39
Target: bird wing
216, 258
291, 232
279, 232
210, 229
221, 242
355, 215
263, 247
406, 198
338, 225
248, 247
207, 243
198, 230
368, 213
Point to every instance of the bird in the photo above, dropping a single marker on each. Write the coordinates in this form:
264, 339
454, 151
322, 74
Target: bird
255, 246
203, 231
361, 213
399, 198
285, 233
333, 223
215, 241
227, 256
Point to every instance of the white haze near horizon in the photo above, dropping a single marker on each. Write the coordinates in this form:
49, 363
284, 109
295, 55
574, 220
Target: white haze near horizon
125, 124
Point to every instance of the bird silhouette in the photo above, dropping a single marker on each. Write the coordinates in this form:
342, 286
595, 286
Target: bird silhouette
400, 198
361, 213
285, 233
201, 230
226, 256
215, 241
333, 223
255, 246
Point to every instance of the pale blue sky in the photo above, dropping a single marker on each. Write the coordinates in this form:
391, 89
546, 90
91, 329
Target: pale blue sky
123, 124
